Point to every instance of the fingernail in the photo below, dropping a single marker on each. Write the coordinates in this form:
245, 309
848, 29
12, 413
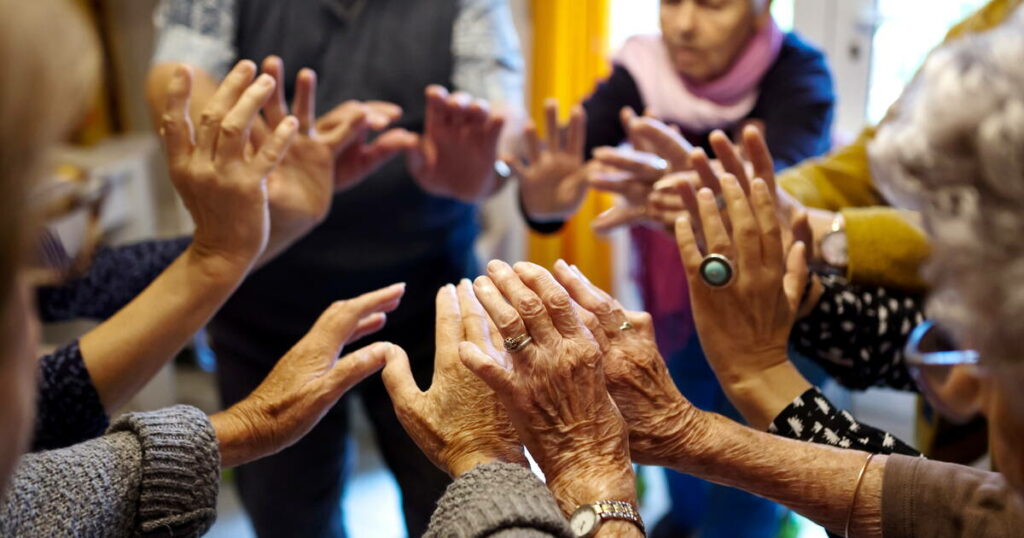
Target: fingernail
466, 281
560, 263
265, 81
496, 265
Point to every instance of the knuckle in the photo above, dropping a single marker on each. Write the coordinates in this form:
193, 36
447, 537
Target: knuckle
560, 300
530, 306
231, 129
603, 308
210, 117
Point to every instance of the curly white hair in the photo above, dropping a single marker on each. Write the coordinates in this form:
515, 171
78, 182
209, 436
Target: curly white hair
954, 150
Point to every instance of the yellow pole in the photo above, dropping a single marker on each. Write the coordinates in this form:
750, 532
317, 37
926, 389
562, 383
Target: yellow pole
570, 43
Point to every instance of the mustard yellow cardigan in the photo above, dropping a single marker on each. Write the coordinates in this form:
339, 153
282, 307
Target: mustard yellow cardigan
886, 245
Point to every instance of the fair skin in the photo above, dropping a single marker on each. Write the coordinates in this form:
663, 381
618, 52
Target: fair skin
552, 176
458, 422
307, 381
704, 37
454, 157
554, 389
666, 430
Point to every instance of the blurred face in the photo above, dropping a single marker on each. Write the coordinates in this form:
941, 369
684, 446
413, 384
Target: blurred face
17, 379
704, 37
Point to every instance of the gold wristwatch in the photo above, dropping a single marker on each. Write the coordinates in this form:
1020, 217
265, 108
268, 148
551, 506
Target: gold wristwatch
588, 518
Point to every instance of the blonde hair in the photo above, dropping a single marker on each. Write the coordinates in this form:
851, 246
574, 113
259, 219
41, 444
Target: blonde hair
51, 62
954, 150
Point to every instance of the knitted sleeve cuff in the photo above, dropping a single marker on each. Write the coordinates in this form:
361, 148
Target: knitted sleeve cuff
180, 470
495, 497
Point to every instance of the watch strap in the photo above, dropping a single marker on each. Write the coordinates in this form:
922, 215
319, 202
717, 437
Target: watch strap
619, 510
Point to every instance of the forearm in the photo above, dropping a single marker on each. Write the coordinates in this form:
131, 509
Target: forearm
126, 351
814, 480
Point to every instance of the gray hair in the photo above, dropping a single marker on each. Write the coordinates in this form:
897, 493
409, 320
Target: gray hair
954, 150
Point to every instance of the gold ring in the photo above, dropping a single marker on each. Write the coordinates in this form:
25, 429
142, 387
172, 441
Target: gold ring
626, 325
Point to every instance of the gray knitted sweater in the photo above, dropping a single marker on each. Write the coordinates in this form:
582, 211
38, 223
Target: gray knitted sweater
499, 500
152, 474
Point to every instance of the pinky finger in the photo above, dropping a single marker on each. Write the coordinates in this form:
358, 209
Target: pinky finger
272, 152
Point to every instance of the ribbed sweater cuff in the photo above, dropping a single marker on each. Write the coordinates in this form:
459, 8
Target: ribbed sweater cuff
180, 470
495, 497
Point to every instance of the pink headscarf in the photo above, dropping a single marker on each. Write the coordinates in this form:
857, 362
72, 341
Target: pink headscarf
697, 108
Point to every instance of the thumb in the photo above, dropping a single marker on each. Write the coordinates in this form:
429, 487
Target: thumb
794, 283
397, 376
355, 367
484, 367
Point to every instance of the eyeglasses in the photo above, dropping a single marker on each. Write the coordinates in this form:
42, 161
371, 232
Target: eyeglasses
70, 206
944, 374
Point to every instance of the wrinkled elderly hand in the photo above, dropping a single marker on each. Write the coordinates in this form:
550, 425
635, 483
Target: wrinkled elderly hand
458, 422
224, 191
552, 181
658, 415
553, 387
455, 155
744, 326
323, 160
307, 381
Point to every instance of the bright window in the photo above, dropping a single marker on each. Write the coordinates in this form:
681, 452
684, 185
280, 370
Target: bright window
632, 17
907, 31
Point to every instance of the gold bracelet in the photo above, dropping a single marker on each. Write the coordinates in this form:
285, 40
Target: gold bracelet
853, 501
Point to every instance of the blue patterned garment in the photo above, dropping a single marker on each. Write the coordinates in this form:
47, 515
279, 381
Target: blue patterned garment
68, 408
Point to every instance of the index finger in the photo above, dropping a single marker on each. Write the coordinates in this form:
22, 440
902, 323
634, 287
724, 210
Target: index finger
478, 327
530, 307
448, 331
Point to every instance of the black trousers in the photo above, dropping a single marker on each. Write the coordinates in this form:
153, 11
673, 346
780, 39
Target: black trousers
297, 492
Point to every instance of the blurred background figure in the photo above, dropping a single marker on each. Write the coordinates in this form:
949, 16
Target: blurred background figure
872, 48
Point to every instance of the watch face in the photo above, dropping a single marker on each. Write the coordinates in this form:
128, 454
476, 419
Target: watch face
834, 249
584, 521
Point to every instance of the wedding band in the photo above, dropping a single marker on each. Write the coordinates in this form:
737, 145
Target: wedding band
626, 325
717, 271
720, 201
519, 342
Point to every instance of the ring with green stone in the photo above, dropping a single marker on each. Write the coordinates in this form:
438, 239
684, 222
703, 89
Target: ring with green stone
717, 271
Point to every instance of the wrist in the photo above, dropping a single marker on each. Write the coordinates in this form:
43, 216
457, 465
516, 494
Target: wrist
762, 395
237, 436
463, 463
218, 267
591, 482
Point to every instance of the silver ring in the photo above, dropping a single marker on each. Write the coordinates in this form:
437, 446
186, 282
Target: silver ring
626, 325
717, 271
517, 343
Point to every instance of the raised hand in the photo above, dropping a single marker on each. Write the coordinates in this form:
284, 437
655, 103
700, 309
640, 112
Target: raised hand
223, 189
551, 382
307, 381
744, 305
455, 155
315, 167
552, 179
638, 380
458, 422
634, 173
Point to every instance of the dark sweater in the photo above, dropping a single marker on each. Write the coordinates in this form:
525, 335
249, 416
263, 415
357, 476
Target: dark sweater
795, 103
68, 408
